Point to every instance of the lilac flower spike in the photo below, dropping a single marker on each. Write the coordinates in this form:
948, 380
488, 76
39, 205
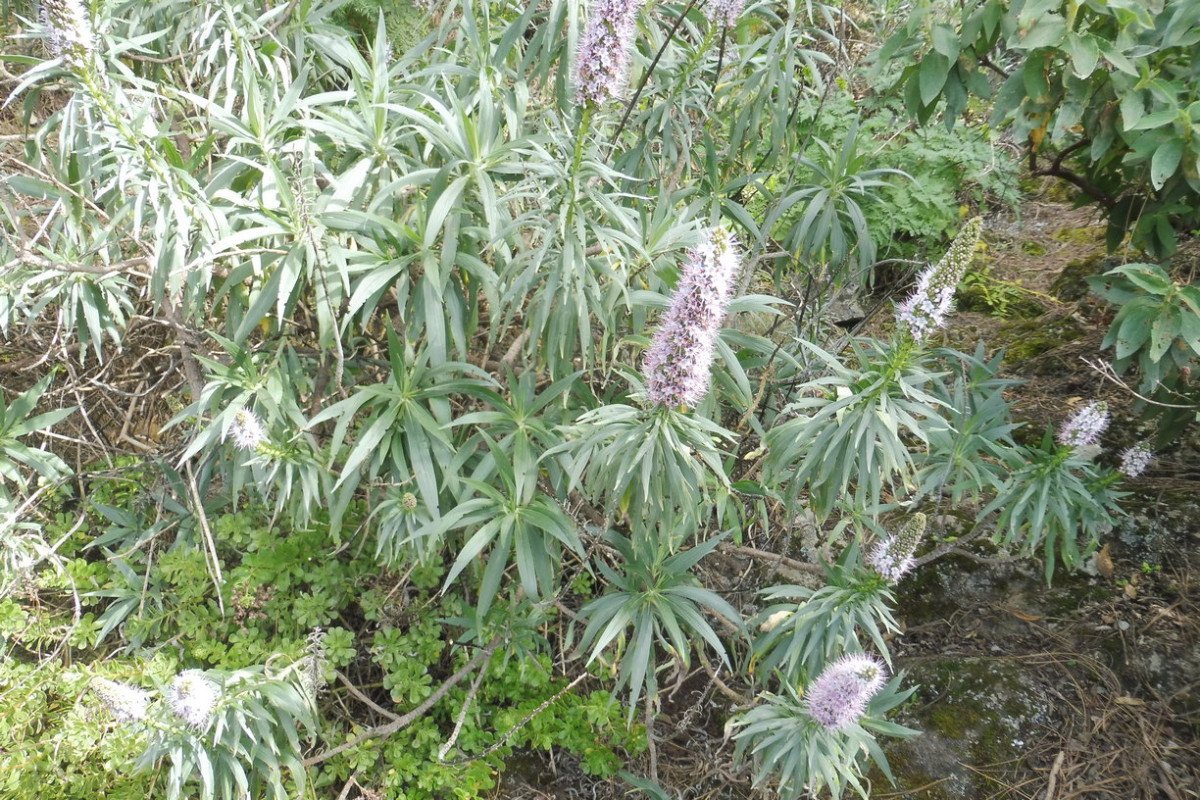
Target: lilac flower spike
72, 37
839, 695
678, 362
602, 61
1135, 460
724, 12
127, 703
192, 696
893, 557
1085, 426
926, 308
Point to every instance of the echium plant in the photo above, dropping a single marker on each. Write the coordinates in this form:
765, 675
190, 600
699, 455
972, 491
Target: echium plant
1085, 427
853, 427
652, 468
72, 37
246, 430
1135, 460
802, 629
892, 557
233, 732
814, 730
126, 703
806, 745
838, 697
658, 461
724, 12
1059, 500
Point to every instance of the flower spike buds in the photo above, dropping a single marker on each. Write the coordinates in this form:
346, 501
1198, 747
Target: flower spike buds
839, 695
893, 557
72, 37
926, 308
127, 703
679, 359
1085, 426
602, 61
1135, 460
192, 696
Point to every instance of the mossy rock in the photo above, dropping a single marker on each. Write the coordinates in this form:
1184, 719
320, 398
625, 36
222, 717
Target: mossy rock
1024, 340
973, 712
1088, 235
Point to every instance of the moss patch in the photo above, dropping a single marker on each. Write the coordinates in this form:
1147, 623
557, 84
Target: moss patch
974, 713
1024, 340
1088, 235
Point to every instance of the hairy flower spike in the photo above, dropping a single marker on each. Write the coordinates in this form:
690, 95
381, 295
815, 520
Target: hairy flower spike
72, 37
1134, 460
312, 664
127, 703
246, 430
893, 556
1085, 426
192, 696
724, 12
926, 308
602, 61
839, 695
679, 359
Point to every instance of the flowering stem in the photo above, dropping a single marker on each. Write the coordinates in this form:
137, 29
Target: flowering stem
585, 124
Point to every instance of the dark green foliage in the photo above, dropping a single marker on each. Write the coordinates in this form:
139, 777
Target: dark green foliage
1157, 331
404, 23
1103, 94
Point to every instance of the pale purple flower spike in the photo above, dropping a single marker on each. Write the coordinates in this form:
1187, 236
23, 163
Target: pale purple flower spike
1135, 460
602, 61
72, 37
932, 300
892, 557
246, 430
127, 703
678, 362
839, 696
1085, 426
192, 696
724, 12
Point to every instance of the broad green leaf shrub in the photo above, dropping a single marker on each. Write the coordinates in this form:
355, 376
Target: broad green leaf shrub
1101, 94
1156, 333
